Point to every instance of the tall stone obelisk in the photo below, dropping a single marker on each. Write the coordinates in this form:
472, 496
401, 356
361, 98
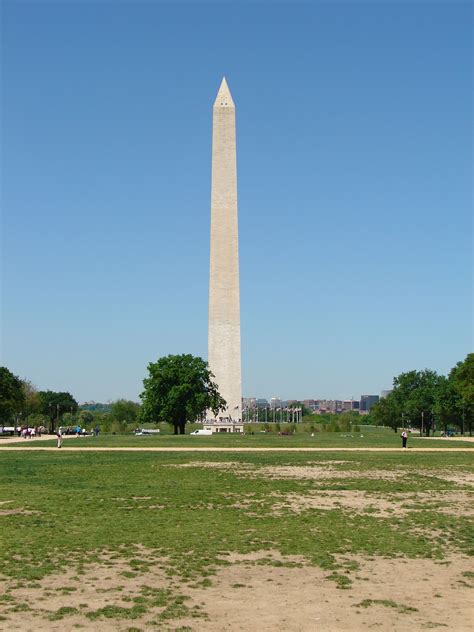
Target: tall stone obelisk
224, 290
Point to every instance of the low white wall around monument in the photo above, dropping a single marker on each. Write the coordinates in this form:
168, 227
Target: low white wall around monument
224, 427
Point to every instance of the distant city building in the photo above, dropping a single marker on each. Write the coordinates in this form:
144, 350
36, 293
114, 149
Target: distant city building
249, 402
350, 404
318, 406
367, 401
331, 405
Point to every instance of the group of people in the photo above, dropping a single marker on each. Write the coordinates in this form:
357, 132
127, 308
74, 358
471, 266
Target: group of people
27, 432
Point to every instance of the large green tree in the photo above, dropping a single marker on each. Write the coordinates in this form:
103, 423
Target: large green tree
31, 404
55, 405
413, 401
448, 405
417, 393
12, 396
387, 412
180, 388
125, 412
86, 418
462, 378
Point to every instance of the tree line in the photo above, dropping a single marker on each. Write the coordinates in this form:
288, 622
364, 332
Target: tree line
181, 389
428, 401
22, 404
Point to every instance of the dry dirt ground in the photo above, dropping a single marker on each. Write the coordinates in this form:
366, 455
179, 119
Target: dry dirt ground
265, 592
252, 594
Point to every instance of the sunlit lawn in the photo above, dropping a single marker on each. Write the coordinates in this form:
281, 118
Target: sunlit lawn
62, 510
368, 436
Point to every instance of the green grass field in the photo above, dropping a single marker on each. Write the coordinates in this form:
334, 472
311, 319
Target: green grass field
186, 513
369, 436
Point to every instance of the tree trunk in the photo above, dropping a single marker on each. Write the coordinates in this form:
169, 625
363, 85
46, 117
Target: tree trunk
182, 424
175, 428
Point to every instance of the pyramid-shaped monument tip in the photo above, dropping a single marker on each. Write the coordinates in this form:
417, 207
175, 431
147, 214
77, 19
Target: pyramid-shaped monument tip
224, 97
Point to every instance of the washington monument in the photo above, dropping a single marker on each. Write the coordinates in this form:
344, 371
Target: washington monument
224, 291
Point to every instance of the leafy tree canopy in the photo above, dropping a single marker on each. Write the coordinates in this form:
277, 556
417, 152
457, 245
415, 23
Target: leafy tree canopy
412, 401
386, 412
421, 398
56, 404
416, 393
86, 417
31, 404
179, 389
462, 377
12, 395
125, 411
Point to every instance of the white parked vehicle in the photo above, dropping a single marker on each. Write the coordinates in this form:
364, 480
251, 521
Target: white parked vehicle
202, 432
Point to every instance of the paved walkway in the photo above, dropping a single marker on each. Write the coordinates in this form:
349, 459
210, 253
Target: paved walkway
44, 437
447, 439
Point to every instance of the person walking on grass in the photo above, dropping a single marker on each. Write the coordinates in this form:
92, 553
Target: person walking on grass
404, 437
59, 435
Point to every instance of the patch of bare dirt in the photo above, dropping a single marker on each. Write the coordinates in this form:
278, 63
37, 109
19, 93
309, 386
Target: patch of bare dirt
460, 478
448, 502
314, 471
22, 512
97, 586
295, 599
327, 472
218, 465
257, 592
270, 556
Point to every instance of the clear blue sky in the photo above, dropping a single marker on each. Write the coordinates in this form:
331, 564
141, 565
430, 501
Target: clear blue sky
355, 183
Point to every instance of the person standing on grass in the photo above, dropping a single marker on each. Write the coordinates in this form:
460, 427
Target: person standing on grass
404, 438
59, 435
